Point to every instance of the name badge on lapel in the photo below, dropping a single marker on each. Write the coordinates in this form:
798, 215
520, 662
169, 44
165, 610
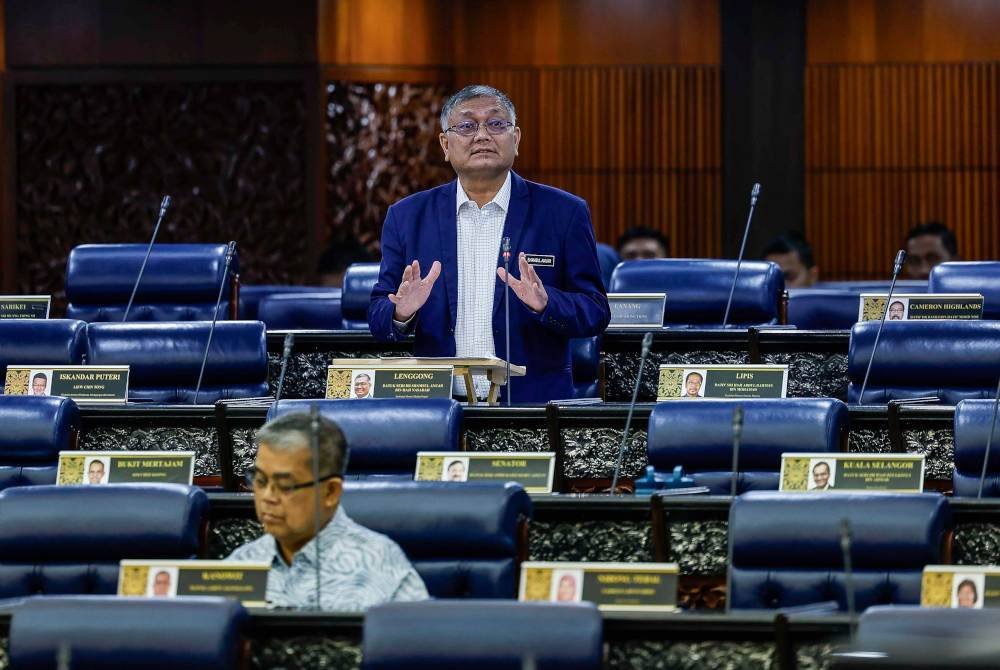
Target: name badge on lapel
540, 260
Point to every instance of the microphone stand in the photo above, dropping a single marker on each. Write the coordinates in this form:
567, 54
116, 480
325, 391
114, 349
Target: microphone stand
285, 355
505, 247
647, 342
737, 434
317, 511
754, 193
896, 267
164, 206
215, 315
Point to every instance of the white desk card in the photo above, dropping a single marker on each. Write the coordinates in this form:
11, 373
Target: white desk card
25, 306
384, 381
921, 306
613, 587
637, 310
244, 580
722, 381
960, 586
125, 467
532, 470
82, 383
901, 473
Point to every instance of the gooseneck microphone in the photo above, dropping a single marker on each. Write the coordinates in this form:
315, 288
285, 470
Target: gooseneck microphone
989, 439
286, 353
737, 435
897, 265
317, 510
505, 251
230, 252
845, 549
754, 193
164, 206
647, 342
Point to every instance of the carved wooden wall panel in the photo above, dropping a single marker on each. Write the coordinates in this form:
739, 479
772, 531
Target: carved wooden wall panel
93, 161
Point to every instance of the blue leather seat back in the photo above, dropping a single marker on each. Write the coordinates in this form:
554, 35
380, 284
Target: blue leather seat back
697, 289
698, 434
973, 419
166, 358
180, 283
463, 539
70, 539
125, 633
35, 429
928, 637
487, 635
252, 294
874, 286
952, 360
822, 309
302, 311
786, 547
608, 259
42, 341
585, 354
384, 435
970, 277
359, 280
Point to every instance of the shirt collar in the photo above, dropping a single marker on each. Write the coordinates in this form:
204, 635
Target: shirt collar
501, 199
327, 535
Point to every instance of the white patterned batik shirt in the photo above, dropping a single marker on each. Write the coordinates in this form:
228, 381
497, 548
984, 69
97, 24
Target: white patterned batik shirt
359, 569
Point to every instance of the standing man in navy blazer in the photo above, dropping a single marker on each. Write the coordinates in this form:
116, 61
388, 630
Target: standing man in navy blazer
453, 233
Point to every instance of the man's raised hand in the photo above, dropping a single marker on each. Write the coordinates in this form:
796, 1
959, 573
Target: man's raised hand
413, 291
528, 288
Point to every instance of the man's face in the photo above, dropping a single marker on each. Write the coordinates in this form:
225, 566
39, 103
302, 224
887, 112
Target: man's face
290, 517
456, 472
923, 253
692, 385
896, 311
38, 386
966, 596
161, 584
95, 473
641, 249
362, 385
797, 275
482, 155
821, 475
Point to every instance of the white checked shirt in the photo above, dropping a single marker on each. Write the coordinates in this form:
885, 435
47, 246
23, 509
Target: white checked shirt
479, 233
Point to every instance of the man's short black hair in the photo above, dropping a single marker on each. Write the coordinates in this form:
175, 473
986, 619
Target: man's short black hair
792, 241
40, 375
938, 229
340, 255
642, 232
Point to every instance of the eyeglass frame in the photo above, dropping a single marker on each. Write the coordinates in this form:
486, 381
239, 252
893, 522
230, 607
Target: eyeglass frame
507, 126
290, 488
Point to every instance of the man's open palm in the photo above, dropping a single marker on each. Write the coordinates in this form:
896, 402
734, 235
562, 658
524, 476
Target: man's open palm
413, 291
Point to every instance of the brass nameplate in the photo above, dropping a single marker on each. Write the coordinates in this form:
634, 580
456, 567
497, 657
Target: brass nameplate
722, 381
534, 470
902, 473
637, 310
25, 306
125, 467
383, 381
244, 580
82, 383
921, 306
614, 587
960, 586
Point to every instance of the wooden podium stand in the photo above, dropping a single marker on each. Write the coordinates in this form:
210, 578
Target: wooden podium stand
495, 370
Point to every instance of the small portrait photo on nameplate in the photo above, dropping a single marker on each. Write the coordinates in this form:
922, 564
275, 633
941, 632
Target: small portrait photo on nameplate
25, 306
244, 580
637, 310
94, 468
960, 586
613, 587
900, 473
722, 381
534, 471
921, 306
82, 383
384, 381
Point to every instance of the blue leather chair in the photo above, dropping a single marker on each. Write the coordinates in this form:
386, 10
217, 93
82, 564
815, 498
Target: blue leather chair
972, 430
585, 354
786, 547
302, 311
698, 435
42, 341
823, 309
874, 286
106, 633
970, 277
35, 430
359, 280
487, 635
384, 435
165, 359
252, 294
181, 282
465, 540
608, 258
697, 289
952, 360
62, 540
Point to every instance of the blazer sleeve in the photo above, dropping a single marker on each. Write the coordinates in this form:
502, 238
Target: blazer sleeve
390, 274
580, 308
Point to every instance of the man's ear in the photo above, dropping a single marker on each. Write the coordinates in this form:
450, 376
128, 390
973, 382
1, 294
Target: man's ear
443, 139
332, 490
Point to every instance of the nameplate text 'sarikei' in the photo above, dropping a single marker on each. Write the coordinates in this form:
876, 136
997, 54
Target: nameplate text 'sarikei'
25, 306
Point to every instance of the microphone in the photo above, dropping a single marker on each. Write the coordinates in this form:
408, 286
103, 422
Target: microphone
505, 251
845, 548
317, 510
164, 206
230, 252
897, 265
286, 353
647, 342
754, 193
989, 439
737, 434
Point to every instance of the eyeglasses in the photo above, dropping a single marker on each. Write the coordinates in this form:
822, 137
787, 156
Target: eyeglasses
470, 128
283, 486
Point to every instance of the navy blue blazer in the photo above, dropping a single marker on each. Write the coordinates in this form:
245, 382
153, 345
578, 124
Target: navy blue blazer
540, 220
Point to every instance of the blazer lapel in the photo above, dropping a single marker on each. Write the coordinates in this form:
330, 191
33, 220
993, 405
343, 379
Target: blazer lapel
448, 230
513, 227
